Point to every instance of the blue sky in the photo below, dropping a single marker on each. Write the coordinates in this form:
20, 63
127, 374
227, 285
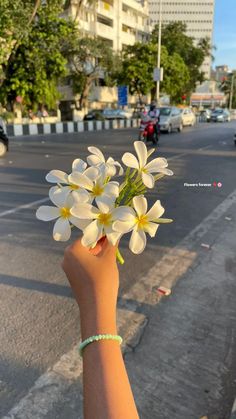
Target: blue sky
225, 33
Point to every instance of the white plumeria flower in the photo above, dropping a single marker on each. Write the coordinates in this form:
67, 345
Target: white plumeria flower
100, 220
110, 165
62, 178
140, 222
158, 165
62, 212
98, 187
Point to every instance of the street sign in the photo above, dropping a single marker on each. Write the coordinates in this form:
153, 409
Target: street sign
158, 74
122, 95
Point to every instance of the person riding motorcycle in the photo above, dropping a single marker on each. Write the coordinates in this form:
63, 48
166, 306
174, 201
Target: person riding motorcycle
154, 114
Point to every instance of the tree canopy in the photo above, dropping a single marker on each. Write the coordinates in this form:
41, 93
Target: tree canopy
36, 44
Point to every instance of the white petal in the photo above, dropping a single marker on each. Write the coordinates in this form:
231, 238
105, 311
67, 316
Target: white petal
92, 233
93, 160
112, 236
62, 230
112, 189
167, 172
123, 226
81, 180
57, 176
149, 152
130, 160
84, 211
79, 165
97, 152
110, 170
148, 180
47, 213
92, 173
151, 229
137, 242
140, 204
81, 224
155, 211
156, 164
81, 196
124, 213
58, 196
141, 151
105, 204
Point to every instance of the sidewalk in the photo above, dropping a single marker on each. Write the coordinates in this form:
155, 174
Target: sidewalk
180, 350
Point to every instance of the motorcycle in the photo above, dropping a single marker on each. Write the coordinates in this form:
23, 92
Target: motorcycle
149, 130
4, 141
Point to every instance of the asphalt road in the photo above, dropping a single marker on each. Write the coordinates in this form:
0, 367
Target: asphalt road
38, 316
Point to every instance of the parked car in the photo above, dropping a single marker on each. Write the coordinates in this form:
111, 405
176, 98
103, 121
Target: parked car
116, 114
170, 119
188, 117
4, 142
95, 114
220, 115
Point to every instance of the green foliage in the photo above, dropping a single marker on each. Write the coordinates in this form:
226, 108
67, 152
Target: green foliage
90, 59
38, 56
137, 68
175, 39
139, 61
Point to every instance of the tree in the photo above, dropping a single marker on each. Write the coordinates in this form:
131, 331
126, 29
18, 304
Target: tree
139, 61
91, 59
38, 57
228, 86
175, 39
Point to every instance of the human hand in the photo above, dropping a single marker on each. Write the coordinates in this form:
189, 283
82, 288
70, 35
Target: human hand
93, 274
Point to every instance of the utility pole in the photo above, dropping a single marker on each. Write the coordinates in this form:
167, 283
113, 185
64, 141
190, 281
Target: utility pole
231, 92
159, 53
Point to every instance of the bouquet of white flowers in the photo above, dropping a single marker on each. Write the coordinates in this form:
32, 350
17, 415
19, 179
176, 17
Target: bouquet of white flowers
88, 199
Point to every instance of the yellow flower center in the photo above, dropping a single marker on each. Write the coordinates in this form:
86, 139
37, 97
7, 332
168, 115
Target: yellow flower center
105, 219
65, 212
144, 170
97, 190
142, 221
73, 186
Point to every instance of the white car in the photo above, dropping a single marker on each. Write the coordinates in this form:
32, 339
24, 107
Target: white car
188, 117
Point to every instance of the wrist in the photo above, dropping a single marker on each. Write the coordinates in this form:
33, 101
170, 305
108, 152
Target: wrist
98, 320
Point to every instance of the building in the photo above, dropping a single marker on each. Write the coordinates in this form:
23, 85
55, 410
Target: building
221, 73
117, 22
197, 14
208, 95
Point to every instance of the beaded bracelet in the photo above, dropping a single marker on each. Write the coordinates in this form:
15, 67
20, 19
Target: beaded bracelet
96, 338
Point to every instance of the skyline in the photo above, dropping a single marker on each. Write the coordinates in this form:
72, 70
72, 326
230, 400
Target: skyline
224, 37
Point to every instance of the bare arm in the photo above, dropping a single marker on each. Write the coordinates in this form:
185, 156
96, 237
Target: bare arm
94, 279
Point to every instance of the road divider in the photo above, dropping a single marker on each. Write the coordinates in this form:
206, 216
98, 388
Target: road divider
69, 127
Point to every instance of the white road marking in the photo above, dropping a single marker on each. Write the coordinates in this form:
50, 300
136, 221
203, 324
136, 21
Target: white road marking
21, 207
49, 388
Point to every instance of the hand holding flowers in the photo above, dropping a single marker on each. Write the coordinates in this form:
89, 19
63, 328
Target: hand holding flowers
89, 200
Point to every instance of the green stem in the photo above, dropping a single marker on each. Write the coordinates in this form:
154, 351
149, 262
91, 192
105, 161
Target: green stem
119, 257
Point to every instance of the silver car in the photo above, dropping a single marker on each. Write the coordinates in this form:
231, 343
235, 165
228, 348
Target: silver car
170, 119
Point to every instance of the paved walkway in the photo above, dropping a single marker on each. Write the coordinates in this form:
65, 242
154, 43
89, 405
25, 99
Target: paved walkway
181, 349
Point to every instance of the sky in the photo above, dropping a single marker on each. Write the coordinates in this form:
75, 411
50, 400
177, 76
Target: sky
225, 33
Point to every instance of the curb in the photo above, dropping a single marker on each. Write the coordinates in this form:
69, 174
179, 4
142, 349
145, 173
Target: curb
16, 130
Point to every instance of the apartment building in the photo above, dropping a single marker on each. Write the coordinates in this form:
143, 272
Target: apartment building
117, 22
197, 14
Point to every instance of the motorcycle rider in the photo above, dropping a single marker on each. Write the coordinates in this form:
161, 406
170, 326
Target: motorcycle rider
154, 114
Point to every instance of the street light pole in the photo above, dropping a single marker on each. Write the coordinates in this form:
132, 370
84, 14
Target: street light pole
159, 53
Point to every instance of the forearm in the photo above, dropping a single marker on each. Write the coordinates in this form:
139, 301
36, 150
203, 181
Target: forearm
107, 391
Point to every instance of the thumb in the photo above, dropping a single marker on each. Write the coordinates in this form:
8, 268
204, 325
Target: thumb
108, 250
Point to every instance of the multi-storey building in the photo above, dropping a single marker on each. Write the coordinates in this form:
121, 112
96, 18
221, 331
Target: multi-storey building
117, 22
197, 14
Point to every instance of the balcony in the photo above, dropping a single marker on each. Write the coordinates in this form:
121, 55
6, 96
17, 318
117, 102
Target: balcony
105, 31
105, 9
